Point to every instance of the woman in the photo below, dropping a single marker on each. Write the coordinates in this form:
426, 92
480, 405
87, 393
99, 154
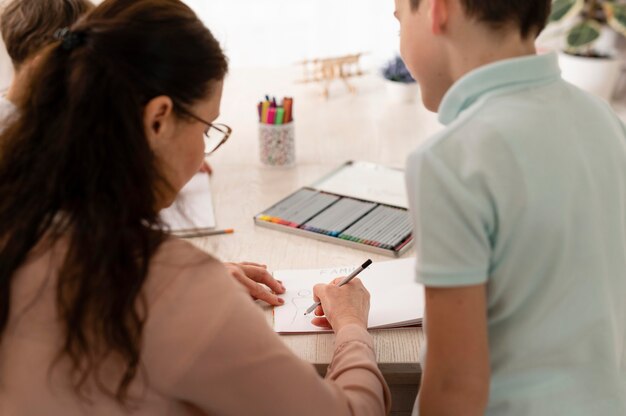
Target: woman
102, 313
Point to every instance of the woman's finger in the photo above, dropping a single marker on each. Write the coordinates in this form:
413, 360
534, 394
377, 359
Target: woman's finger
249, 263
261, 293
321, 322
206, 168
336, 281
255, 290
318, 290
261, 275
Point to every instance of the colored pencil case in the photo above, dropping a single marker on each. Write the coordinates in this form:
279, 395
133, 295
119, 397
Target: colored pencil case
360, 205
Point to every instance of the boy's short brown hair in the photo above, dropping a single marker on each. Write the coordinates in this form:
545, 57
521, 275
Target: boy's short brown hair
529, 15
29, 25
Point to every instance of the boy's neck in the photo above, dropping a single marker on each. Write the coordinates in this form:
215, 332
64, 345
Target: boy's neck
482, 47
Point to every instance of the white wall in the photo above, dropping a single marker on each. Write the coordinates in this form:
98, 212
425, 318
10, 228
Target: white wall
271, 33
281, 32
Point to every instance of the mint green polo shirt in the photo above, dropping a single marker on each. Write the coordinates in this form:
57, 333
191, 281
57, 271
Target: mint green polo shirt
525, 190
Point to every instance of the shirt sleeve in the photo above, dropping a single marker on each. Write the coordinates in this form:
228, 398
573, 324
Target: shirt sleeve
239, 366
453, 219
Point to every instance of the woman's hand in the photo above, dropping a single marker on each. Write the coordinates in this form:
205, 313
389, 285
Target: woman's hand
206, 168
258, 281
341, 306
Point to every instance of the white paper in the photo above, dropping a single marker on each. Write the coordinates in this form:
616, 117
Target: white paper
368, 181
396, 299
193, 208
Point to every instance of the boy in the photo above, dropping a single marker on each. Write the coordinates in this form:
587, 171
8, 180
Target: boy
519, 207
27, 26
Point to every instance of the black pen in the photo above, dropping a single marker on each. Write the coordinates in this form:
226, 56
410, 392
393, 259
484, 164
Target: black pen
343, 282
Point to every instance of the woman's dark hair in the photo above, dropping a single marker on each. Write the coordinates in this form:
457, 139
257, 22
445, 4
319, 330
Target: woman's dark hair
76, 167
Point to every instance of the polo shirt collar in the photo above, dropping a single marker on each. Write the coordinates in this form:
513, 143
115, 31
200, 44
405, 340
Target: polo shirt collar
530, 70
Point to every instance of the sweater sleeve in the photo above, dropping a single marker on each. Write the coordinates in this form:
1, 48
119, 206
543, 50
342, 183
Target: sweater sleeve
352, 368
230, 362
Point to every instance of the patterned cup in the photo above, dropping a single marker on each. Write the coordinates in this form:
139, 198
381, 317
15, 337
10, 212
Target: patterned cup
277, 145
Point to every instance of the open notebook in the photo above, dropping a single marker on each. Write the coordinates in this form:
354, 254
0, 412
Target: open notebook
396, 300
192, 212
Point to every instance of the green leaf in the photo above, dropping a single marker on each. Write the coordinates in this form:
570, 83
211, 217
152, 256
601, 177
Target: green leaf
583, 34
616, 16
563, 9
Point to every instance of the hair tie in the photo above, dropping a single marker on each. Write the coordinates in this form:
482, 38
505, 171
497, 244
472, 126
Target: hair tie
69, 39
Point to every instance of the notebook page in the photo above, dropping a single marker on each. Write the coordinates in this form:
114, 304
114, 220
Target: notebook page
368, 181
193, 208
395, 298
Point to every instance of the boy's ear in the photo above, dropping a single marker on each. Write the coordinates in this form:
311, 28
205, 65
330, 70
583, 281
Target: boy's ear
438, 12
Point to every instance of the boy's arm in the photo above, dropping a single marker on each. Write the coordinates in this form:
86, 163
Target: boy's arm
456, 187
456, 371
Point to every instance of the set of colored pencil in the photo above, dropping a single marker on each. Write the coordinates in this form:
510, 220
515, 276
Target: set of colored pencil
299, 208
339, 216
272, 113
346, 218
383, 227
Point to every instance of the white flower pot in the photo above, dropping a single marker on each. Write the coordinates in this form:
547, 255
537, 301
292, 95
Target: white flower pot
598, 76
401, 92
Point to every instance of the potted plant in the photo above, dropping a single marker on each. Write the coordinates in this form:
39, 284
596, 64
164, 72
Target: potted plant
587, 23
401, 86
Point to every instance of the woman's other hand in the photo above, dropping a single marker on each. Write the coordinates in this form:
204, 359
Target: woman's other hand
206, 168
258, 281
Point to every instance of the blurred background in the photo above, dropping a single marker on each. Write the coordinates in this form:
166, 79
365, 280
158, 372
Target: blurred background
279, 33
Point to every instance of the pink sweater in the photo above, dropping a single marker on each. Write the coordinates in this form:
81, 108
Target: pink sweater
207, 350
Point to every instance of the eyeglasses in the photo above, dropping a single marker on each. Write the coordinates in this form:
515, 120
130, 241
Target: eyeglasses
215, 135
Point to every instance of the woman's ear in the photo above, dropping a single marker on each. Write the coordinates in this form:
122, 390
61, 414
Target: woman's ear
159, 121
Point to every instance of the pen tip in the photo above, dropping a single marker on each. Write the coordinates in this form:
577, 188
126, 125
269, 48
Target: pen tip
229, 231
367, 263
